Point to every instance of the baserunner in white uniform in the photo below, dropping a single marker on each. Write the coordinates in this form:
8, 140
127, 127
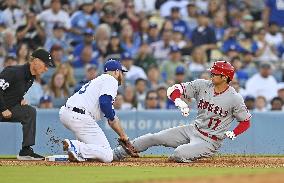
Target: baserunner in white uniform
218, 105
87, 106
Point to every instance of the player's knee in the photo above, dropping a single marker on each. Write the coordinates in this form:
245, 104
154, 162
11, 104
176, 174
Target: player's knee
182, 156
108, 156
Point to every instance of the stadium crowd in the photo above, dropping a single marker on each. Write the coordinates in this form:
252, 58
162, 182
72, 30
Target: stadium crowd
160, 42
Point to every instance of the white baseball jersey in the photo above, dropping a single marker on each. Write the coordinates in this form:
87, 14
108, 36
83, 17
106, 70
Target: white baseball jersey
215, 112
87, 98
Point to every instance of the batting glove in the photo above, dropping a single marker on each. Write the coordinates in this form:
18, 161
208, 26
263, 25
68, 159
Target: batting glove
182, 106
230, 134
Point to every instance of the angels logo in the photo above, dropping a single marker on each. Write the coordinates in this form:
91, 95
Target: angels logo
203, 104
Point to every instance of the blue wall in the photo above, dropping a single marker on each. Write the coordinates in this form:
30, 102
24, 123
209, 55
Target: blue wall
264, 137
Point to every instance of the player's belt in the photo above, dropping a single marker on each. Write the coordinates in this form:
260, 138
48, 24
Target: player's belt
75, 109
213, 137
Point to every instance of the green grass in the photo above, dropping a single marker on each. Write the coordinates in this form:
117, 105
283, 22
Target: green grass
71, 174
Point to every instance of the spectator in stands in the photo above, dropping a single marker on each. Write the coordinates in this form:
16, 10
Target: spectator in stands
179, 24
35, 92
180, 75
250, 102
129, 98
198, 61
144, 57
262, 83
129, 41
109, 17
205, 75
273, 12
45, 102
151, 100
247, 24
161, 49
117, 104
247, 43
114, 49
68, 72
85, 58
231, 42
10, 61
102, 38
154, 79
203, 35
32, 32
249, 63
219, 26
23, 53
58, 87
9, 42
57, 54
153, 33
276, 104
90, 73
134, 72
83, 19
131, 15
168, 68
162, 96
260, 104
54, 14
191, 19
143, 29
280, 90
58, 37
178, 38
236, 85
88, 39
13, 15
265, 51
140, 92
240, 73
273, 36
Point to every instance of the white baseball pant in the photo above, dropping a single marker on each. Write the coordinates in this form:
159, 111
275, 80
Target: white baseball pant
91, 141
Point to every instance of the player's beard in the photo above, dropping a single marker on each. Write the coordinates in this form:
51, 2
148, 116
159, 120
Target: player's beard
120, 78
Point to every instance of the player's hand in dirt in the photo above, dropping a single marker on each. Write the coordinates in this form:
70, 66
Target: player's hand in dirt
182, 106
128, 147
230, 134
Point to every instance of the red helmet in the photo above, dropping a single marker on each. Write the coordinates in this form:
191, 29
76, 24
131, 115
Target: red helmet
224, 68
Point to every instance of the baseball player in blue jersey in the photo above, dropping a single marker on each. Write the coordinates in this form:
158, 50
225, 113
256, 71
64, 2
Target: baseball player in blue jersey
87, 106
218, 105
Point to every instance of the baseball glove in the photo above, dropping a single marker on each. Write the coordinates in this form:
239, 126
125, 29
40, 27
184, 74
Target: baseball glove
128, 147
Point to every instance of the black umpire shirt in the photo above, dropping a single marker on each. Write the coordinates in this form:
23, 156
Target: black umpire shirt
15, 81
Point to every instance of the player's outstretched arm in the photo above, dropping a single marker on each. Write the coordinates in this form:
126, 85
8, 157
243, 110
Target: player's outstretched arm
242, 127
174, 93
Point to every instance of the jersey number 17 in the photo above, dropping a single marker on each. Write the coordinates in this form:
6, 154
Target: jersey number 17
216, 122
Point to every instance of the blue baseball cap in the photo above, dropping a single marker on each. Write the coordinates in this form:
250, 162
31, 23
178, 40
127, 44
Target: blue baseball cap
113, 65
180, 70
126, 56
89, 31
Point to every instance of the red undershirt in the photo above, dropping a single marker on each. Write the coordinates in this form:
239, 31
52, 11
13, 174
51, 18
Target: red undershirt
242, 126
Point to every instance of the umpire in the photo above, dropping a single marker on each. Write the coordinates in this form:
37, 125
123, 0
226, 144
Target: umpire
15, 81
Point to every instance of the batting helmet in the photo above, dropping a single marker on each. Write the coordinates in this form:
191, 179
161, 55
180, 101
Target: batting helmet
224, 68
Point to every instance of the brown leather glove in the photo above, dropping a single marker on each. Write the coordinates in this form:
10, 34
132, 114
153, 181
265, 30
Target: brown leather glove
128, 147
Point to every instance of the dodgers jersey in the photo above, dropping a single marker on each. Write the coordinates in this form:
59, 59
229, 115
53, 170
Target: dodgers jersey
215, 112
87, 98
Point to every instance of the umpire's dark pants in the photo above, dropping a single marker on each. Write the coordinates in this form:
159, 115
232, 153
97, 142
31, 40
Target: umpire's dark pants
26, 115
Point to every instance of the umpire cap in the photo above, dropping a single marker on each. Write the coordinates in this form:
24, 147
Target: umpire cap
44, 55
113, 65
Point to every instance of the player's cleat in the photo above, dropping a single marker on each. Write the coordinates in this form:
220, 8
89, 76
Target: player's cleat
27, 153
66, 145
73, 155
